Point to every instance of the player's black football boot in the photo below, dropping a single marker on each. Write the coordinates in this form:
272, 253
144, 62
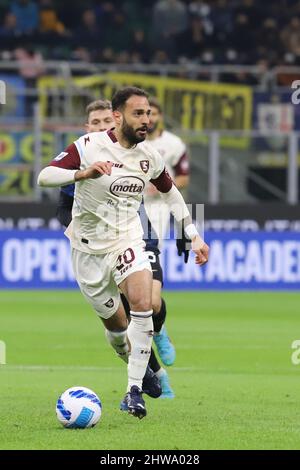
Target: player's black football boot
151, 384
136, 404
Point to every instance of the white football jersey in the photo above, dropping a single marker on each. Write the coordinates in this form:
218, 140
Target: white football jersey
104, 216
174, 153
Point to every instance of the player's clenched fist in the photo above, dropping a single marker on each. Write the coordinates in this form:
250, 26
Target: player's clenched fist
201, 249
94, 171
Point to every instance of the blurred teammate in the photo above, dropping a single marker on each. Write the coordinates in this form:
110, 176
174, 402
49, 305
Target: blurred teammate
99, 118
174, 153
111, 169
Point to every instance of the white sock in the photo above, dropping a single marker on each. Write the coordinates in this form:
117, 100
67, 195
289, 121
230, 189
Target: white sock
140, 334
118, 340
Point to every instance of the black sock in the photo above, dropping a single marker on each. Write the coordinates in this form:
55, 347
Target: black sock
153, 362
160, 317
126, 306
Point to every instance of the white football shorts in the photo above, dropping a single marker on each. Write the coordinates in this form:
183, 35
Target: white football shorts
99, 276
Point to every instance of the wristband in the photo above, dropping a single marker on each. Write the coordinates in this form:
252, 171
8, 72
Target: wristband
191, 231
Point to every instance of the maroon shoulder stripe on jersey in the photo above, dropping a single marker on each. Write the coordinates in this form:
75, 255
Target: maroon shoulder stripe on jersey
112, 136
182, 168
164, 182
71, 161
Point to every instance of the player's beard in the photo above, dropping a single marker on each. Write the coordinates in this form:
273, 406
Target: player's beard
131, 135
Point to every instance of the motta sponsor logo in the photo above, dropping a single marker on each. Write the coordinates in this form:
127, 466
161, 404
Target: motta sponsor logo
127, 185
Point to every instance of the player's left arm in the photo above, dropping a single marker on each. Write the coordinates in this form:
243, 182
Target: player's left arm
175, 201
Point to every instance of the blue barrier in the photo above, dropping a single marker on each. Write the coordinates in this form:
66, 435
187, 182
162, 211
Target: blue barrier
238, 261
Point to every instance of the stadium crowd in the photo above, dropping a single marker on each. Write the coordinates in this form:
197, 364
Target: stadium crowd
246, 32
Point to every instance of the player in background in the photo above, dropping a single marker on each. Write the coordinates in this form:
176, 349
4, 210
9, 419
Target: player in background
111, 169
99, 118
174, 153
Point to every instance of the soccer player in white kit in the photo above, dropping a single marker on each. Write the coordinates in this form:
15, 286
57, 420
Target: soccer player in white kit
99, 118
175, 155
110, 170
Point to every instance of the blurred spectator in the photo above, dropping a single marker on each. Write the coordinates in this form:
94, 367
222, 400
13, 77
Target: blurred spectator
106, 11
139, 46
107, 55
252, 9
268, 34
191, 43
290, 36
137, 14
9, 27
49, 22
27, 16
30, 68
81, 54
30, 62
207, 57
269, 37
170, 18
88, 34
222, 16
203, 11
242, 37
9, 35
160, 57
122, 58
296, 8
117, 35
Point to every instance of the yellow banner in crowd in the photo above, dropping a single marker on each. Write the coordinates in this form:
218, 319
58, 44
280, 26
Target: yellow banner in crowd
189, 104
196, 105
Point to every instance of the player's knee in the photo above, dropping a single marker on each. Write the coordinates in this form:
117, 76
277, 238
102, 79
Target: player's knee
117, 321
122, 325
141, 305
115, 326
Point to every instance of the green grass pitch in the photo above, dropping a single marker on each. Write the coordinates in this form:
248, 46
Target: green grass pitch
235, 384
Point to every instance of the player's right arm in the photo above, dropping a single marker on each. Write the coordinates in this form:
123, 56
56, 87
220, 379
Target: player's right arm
65, 169
94, 171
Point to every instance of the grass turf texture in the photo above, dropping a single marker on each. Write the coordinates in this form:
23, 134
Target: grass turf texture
235, 385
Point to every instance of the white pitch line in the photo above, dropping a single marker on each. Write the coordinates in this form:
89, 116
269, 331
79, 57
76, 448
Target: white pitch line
75, 368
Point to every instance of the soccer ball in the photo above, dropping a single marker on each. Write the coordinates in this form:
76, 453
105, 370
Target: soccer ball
78, 407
